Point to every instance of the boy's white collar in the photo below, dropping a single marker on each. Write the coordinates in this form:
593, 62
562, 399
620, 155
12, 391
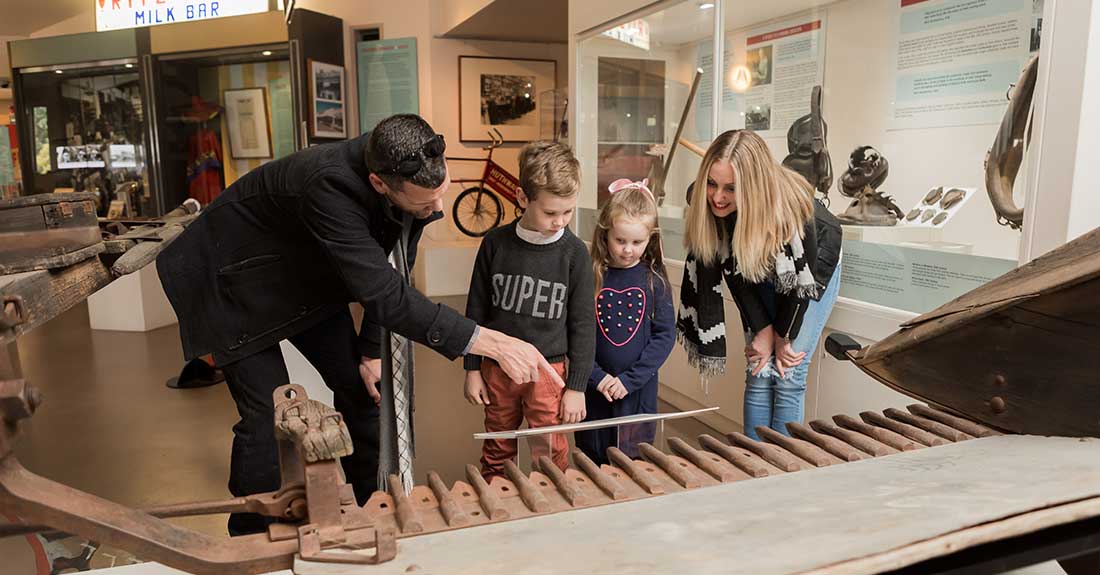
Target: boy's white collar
533, 237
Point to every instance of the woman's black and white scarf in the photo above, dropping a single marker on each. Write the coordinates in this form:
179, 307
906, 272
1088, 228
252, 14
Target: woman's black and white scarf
700, 323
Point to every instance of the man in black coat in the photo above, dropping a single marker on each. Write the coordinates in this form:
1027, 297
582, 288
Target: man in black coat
280, 254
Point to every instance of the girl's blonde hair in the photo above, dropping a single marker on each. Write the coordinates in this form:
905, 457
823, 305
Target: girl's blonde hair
773, 204
637, 204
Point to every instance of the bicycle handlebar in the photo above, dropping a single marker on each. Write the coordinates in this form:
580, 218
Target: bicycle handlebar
497, 139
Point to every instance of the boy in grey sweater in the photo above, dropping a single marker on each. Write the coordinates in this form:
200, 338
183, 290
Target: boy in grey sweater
533, 280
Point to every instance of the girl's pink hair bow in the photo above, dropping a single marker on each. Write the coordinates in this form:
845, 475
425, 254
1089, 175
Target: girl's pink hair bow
627, 184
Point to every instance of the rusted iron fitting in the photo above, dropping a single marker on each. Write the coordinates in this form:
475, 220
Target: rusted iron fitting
18, 400
12, 313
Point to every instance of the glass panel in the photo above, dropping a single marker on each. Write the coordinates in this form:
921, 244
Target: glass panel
633, 87
41, 140
913, 94
82, 122
197, 158
629, 435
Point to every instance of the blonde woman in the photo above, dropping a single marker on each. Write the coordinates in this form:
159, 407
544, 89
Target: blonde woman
759, 228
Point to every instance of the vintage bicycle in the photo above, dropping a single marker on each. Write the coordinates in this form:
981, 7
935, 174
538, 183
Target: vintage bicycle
478, 208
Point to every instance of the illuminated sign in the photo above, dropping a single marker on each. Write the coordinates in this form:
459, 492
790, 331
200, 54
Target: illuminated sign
635, 33
120, 14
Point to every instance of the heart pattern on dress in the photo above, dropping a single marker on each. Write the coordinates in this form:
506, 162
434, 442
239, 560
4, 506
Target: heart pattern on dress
619, 313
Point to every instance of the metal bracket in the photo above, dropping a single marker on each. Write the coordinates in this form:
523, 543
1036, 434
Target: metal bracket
14, 313
312, 548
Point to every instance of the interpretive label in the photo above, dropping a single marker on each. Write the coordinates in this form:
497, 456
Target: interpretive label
912, 279
954, 60
388, 83
770, 75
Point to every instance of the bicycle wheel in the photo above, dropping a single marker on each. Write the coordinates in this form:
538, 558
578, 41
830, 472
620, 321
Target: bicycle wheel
476, 211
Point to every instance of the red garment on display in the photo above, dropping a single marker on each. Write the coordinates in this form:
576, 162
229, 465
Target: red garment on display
204, 166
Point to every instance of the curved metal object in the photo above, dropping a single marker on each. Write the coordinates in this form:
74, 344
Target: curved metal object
1002, 163
334, 521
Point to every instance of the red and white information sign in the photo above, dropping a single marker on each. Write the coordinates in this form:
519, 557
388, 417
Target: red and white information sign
772, 73
121, 14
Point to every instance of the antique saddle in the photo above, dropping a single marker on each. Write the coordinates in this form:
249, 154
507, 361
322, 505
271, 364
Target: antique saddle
806, 149
867, 170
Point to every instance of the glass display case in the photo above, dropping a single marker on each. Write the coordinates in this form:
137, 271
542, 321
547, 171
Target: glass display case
87, 134
207, 137
915, 90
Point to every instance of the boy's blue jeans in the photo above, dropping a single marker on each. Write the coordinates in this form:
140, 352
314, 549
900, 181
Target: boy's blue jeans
772, 400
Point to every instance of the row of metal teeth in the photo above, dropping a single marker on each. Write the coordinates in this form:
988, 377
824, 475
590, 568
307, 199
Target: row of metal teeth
547, 489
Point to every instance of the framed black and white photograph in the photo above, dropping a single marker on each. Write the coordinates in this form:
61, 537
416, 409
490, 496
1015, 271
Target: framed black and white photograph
759, 62
502, 94
247, 121
326, 96
95, 156
122, 155
71, 157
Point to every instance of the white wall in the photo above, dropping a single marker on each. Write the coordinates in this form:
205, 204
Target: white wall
5, 72
445, 115
83, 22
446, 14
1084, 214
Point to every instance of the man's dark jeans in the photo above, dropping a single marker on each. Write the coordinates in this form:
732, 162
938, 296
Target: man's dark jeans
332, 348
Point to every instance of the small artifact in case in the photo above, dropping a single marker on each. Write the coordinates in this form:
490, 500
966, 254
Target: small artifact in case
867, 170
940, 218
927, 215
952, 197
933, 196
913, 214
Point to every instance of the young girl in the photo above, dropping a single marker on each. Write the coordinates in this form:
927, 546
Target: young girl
634, 319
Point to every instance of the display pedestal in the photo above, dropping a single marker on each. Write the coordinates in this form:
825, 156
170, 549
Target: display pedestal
949, 247
921, 238
891, 234
443, 268
134, 302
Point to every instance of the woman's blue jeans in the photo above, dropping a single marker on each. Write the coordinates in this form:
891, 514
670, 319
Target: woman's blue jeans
772, 400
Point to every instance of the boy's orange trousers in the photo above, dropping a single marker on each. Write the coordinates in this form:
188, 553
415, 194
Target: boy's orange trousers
538, 402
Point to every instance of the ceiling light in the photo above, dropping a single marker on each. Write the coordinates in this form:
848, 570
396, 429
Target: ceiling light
58, 72
266, 52
706, 5
129, 65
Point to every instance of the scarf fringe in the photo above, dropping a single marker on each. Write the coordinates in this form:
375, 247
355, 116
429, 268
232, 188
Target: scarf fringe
707, 365
787, 283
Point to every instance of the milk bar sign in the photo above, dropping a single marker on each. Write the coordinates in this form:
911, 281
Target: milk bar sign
120, 14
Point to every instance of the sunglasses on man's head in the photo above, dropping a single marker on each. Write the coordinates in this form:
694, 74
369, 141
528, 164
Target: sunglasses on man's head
408, 166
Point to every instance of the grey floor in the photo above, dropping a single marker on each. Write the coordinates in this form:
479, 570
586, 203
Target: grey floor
109, 426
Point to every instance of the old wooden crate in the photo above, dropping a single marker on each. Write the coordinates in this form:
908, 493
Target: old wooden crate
46, 231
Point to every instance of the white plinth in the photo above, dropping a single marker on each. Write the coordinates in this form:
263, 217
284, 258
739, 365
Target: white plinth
443, 268
134, 302
891, 234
